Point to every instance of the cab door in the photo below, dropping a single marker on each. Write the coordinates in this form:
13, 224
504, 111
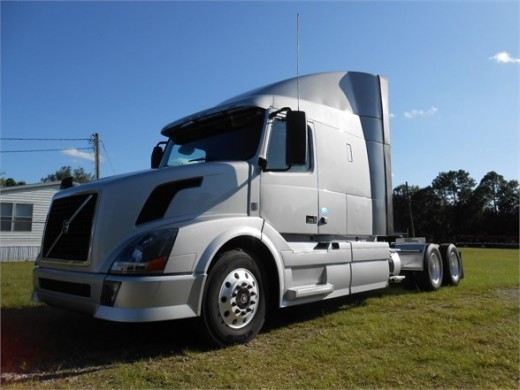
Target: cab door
288, 194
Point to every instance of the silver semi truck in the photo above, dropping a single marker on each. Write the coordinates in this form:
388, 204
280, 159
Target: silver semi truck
277, 197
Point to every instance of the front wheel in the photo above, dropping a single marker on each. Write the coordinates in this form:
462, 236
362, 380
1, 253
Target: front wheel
233, 308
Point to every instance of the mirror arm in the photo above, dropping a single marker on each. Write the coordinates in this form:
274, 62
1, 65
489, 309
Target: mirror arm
262, 163
274, 113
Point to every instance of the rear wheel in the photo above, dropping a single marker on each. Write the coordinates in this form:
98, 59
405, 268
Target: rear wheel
430, 279
233, 309
452, 264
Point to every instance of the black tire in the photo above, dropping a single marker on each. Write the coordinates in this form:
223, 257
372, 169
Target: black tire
430, 278
234, 304
452, 264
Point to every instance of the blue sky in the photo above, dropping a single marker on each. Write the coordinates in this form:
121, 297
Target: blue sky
125, 69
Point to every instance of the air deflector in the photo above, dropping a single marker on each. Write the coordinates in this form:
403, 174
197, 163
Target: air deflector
159, 200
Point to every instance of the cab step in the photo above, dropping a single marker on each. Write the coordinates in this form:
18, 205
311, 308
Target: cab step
309, 291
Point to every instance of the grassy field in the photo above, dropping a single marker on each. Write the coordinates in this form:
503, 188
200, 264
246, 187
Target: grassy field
458, 337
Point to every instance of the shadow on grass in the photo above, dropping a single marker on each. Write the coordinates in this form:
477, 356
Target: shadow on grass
47, 343
50, 343
307, 312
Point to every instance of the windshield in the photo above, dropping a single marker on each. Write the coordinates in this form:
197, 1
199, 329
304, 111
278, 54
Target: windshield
226, 136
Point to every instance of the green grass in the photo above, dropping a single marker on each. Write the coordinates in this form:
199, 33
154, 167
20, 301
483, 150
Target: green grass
16, 284
457, 337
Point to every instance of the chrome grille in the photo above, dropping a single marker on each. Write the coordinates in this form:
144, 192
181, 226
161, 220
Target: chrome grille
69, 227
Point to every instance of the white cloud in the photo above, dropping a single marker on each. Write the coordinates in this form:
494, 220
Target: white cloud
79, 154
417, 113
504, 58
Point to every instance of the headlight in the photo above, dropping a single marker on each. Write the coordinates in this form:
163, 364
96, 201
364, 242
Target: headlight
146, 255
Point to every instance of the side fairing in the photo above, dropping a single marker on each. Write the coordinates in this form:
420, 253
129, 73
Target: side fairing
345, 206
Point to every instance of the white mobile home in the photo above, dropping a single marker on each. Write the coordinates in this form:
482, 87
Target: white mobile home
23, 213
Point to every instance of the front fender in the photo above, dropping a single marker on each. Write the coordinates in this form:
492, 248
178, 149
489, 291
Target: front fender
236, 231
202, 241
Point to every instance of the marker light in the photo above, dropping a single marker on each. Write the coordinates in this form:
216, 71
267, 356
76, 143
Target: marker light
146, 255
109, 292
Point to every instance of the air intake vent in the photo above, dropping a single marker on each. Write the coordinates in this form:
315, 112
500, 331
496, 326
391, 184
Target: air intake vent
161, 197
69, 226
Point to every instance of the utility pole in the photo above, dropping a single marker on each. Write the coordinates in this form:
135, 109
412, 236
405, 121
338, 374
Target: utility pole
409, 198
95, 141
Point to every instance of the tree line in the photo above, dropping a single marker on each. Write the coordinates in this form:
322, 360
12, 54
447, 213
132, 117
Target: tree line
455, 209
79, 175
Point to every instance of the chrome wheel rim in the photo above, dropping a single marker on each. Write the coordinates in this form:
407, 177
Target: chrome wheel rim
238, 298
454, 265
435, 269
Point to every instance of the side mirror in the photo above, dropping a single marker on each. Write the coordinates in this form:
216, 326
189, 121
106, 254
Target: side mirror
296, 142
157, 155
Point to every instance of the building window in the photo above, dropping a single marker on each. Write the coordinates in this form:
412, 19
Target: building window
16, 217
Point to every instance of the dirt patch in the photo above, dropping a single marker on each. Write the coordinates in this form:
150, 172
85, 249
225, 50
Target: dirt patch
509, 293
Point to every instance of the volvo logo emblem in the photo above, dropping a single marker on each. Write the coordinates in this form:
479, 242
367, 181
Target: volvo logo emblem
65, 227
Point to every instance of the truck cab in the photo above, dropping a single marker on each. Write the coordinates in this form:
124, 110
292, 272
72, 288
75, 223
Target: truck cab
270, 199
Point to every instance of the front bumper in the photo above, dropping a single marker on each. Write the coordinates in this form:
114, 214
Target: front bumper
136, 298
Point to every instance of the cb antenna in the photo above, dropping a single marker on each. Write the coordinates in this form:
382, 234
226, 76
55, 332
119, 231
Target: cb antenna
298, 58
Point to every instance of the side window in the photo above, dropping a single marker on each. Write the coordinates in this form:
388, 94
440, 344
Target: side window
7, 216
23, 218
16, 217
276, 150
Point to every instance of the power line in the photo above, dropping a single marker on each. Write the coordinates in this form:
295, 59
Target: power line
41, 150
44, 139
108, 157
93, 140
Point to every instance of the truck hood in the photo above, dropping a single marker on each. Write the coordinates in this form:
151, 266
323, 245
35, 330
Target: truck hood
130, 205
